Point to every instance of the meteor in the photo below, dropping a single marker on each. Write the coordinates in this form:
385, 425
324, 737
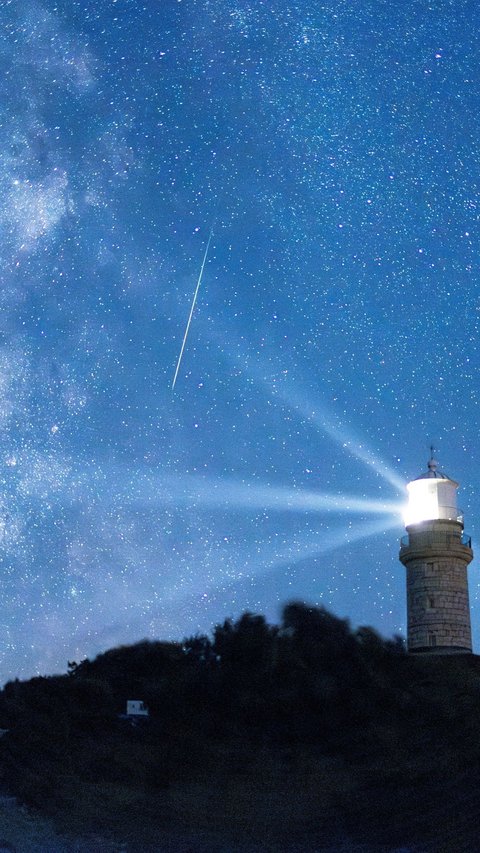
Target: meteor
194, 300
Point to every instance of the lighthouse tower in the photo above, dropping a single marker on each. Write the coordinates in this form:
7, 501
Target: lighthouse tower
436, 554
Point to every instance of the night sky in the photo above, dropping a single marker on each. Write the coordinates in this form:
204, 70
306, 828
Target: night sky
334, 149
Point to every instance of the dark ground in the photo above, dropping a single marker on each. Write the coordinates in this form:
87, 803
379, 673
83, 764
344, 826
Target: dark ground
307, 737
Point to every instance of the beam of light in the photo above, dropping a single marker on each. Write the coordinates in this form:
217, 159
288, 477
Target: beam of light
321, 419
332, 426
141, 487
270, 557
205, 492
192, 308
208, 579
322, 543
307, 547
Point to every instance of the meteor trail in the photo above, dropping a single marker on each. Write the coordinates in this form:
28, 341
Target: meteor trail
192, 307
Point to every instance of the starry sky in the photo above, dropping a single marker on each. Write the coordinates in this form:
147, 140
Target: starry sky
330, 151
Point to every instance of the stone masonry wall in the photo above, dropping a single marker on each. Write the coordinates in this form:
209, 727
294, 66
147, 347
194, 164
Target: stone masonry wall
438, 612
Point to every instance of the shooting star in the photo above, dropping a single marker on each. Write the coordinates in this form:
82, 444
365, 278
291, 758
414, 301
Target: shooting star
192, 309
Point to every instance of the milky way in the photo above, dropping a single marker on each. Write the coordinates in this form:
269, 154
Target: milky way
336, 147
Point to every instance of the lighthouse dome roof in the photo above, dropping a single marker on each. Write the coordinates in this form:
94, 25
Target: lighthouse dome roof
433, 472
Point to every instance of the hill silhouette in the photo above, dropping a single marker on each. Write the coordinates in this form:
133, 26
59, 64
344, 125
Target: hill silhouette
303, 736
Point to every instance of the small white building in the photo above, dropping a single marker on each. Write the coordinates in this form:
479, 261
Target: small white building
136, 708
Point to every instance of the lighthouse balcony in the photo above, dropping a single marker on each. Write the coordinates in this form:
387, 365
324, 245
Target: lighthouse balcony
463, 539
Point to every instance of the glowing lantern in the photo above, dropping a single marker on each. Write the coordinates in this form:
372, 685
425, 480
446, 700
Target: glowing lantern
433, 496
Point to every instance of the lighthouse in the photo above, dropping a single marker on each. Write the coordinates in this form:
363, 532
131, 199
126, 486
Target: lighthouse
436, 553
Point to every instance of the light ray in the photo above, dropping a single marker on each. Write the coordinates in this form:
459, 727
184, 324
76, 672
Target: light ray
332, 426
192, 308
145, 488
287, 392
223, 494
262, 563
322, 543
